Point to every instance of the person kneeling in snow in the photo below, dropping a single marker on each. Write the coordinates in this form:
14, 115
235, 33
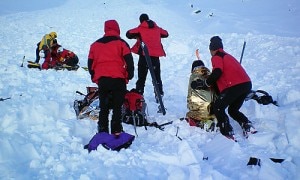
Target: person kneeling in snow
47, 55
234, 85
43, 49
199, 101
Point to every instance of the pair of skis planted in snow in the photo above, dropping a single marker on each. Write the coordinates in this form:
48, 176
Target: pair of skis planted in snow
161, 107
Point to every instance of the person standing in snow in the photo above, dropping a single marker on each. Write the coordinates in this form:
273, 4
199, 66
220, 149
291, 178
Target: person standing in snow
150, 33
234, 85
44, 46
110, 64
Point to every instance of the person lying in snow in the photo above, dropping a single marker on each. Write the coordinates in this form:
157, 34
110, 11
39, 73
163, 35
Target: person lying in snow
199, 101
64, 56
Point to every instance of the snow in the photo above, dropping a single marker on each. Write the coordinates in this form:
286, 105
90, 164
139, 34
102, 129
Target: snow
41, 138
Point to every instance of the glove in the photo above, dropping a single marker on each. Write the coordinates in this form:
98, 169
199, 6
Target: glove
42, 54
199, 84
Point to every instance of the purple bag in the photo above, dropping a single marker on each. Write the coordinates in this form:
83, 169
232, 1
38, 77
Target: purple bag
110, 141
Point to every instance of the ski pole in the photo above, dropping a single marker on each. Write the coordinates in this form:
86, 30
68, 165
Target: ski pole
244, 45
23, 61
177, 134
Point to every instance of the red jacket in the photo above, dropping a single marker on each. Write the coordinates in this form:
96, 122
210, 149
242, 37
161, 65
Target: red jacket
107, 55
65, 55
54, 53
151, 35
60, 54
232, 71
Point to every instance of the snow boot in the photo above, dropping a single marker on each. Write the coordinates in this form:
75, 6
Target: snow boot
226, 130
248, 128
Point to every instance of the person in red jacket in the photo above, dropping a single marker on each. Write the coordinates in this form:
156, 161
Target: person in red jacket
65, 56
110, 64
234, 85
49, 62
150, 33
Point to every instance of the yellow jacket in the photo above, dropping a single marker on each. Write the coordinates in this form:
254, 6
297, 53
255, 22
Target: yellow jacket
47, 41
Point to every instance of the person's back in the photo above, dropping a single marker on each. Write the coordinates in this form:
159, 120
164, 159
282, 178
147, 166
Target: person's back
150, 33
107, 63
110, 65
47, 41
232, 71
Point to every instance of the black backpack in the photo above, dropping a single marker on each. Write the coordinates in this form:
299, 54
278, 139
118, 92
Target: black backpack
261, 97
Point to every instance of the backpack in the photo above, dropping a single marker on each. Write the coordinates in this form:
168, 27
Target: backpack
261, 97
89, 106
134, 109
110, 141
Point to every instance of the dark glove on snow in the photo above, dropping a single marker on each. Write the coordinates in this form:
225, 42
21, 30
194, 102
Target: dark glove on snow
199, 84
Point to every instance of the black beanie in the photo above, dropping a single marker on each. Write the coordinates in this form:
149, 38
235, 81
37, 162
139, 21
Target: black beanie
215, 43
197, 63
144, 17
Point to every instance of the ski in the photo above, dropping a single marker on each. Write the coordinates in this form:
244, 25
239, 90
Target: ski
64, 66
32, 64
85, 68
161, 107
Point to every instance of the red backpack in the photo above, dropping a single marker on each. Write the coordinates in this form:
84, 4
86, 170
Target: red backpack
134, 109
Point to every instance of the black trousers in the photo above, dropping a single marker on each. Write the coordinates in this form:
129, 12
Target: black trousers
72, 61
233, 98
111, 95
37, 53
143, 71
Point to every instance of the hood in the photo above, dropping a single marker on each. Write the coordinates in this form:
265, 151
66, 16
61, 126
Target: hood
53, 35
148, 24
111, 27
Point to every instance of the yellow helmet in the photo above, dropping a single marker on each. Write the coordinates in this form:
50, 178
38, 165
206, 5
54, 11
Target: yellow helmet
53, 35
